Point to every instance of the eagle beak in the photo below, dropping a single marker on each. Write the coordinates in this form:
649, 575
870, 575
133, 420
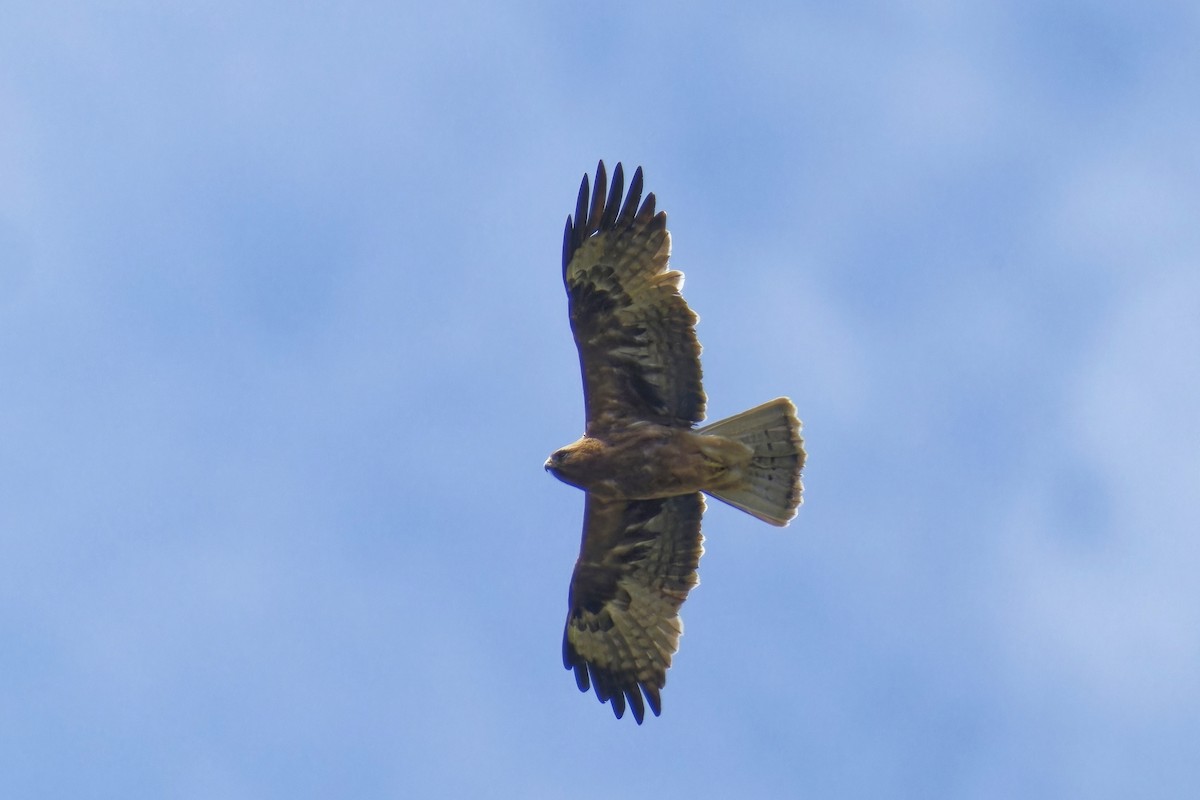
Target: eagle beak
546, 466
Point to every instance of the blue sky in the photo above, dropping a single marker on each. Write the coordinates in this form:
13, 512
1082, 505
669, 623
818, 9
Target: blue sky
283, 346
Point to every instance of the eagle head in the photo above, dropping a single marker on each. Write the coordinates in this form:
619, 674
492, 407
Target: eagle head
560, 465
575, 463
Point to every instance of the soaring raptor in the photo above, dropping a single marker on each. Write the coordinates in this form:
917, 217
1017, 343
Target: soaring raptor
642, 461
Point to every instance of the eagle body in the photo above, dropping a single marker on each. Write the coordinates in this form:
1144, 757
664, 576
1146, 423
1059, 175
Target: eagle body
646, 461
643, 463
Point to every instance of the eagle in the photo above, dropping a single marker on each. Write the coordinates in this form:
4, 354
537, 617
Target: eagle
642, 462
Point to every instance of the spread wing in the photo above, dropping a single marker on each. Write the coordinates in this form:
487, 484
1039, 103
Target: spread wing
636, 335
636, 565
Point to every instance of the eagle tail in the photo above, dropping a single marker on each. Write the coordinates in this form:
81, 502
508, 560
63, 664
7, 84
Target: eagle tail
769, 486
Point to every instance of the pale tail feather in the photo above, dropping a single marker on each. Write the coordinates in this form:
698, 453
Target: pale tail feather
771, 488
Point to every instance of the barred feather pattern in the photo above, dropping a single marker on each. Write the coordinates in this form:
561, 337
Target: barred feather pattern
770, 487
636, 336
637, 563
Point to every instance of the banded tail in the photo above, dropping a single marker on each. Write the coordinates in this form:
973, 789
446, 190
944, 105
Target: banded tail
770, 487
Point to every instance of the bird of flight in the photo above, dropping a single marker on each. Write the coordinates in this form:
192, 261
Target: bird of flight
642, 461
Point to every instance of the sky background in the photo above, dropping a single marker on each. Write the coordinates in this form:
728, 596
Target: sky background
283, 346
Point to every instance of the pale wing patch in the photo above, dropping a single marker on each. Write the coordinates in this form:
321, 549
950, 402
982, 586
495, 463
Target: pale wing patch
636, 566
636, 336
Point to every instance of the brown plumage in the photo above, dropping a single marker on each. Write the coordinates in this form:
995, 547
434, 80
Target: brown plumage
641, 460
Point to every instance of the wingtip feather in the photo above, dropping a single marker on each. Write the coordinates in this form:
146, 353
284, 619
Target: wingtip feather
568, 240
581, 203
653, 699
613, 205
636, 704
646, 212
599, 190
629, 210
618, 704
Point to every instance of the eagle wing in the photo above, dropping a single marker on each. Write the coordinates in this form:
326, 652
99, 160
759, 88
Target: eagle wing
636, 336
636, 565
